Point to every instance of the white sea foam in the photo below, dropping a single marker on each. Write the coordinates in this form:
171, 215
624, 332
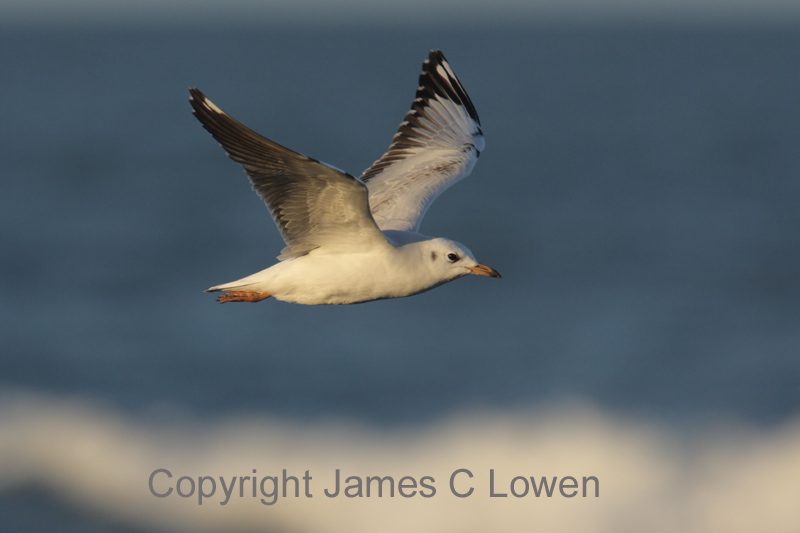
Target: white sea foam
650, 478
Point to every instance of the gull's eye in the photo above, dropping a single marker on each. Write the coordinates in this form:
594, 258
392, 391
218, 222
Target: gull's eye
453, 257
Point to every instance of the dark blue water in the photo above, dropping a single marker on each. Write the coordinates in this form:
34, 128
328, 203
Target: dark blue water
640, 194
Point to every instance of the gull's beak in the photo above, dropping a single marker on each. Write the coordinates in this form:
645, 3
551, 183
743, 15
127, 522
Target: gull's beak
483, 270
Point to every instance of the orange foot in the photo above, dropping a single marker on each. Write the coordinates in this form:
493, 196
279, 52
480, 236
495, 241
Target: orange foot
243, 296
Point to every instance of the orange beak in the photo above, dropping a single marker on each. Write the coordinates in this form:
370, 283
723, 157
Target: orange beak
483, 270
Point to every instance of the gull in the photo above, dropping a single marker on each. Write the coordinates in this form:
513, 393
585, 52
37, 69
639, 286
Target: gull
351, 240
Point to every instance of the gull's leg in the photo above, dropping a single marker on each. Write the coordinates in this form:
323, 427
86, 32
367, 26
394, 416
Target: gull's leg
243, 296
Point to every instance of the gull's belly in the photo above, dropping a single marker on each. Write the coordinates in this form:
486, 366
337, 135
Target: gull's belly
346, 278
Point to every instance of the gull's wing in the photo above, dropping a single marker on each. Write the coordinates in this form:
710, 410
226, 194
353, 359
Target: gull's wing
437, 144
313, 205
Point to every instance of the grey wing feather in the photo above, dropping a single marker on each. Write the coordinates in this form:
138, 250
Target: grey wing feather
437, 145
313, 205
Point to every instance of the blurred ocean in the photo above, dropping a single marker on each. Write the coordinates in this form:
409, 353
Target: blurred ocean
639, 193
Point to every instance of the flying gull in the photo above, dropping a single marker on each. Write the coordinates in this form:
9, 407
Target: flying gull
354, 240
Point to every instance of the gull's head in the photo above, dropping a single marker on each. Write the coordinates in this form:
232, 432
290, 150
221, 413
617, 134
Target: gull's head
450, 260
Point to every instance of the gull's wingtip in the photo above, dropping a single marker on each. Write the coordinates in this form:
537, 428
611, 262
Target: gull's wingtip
436, 55
201, 101
196, 98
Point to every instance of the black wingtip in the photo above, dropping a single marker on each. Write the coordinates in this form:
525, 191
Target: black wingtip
196, 99
443, 82
436, 56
